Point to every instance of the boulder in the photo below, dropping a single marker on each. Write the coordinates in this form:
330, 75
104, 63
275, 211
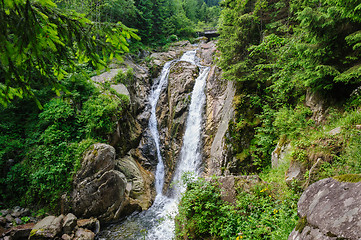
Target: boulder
84, 234
295, 173
99, 190
48, 228
330, 209
107, 188
91, 224
20, 232
139, 181
318, 104
229, 184
69, 224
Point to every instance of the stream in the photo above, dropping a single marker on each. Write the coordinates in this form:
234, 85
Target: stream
157, 223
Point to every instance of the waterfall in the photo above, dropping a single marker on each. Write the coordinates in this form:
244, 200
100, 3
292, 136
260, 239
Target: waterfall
153, 100
157, 223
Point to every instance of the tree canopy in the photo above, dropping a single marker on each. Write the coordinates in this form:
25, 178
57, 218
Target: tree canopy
40, 43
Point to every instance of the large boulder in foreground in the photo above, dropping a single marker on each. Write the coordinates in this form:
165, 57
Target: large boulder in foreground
330, 209
103, 185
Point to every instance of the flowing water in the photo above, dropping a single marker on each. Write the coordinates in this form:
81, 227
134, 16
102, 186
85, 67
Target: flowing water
157, 223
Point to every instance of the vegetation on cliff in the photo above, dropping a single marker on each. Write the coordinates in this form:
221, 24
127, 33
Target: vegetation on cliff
296, 68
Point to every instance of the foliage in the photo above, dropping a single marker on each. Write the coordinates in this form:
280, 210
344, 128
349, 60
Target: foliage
46, 145
258, 214
276, 51
41, 44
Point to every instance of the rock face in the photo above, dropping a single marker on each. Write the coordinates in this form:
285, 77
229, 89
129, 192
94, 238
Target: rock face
229, 184
172, 113
329, 209
102, 190
219, 111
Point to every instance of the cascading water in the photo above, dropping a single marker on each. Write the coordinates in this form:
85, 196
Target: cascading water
157, 223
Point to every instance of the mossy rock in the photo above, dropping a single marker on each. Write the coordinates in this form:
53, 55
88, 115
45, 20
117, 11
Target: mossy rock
353, 178
301, 224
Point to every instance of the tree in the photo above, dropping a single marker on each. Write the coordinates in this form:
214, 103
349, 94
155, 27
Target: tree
41, 43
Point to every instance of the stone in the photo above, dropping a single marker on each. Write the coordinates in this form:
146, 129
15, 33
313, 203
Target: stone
102, 195
295, 172
318, 105
9, 218
138, 180
229, 184
20, 232
18, 221
84, 234
331, 210
358, 127
48, 228
66, 237
335, 131
2, 221
282, 150
91, 224
121, 89
70, 222
5, 212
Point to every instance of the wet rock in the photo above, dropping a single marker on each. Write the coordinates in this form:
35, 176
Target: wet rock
47, 228
172, 113
138, 180
69, 224
329, 209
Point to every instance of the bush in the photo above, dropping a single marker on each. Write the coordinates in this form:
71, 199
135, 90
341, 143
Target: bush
258, 214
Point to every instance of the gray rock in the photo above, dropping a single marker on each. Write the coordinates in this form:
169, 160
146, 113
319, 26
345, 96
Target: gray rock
335, 131
295, 172
5, 212
2, 221
69, 224
84, 234
47, 228
20, 232
99, 190
318, 105
18, 221
229, 184
332, 211
9, 218
91, 224
121, 89
279, 154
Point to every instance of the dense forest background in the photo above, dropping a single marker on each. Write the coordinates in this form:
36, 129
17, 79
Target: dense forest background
156, 20
277, 52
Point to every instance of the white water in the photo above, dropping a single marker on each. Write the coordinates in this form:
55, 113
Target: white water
153, 100
157, 223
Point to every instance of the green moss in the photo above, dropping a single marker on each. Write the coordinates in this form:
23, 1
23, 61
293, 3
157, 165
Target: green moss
353, 178
302, 222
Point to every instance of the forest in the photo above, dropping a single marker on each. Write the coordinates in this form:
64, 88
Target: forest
277, 53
